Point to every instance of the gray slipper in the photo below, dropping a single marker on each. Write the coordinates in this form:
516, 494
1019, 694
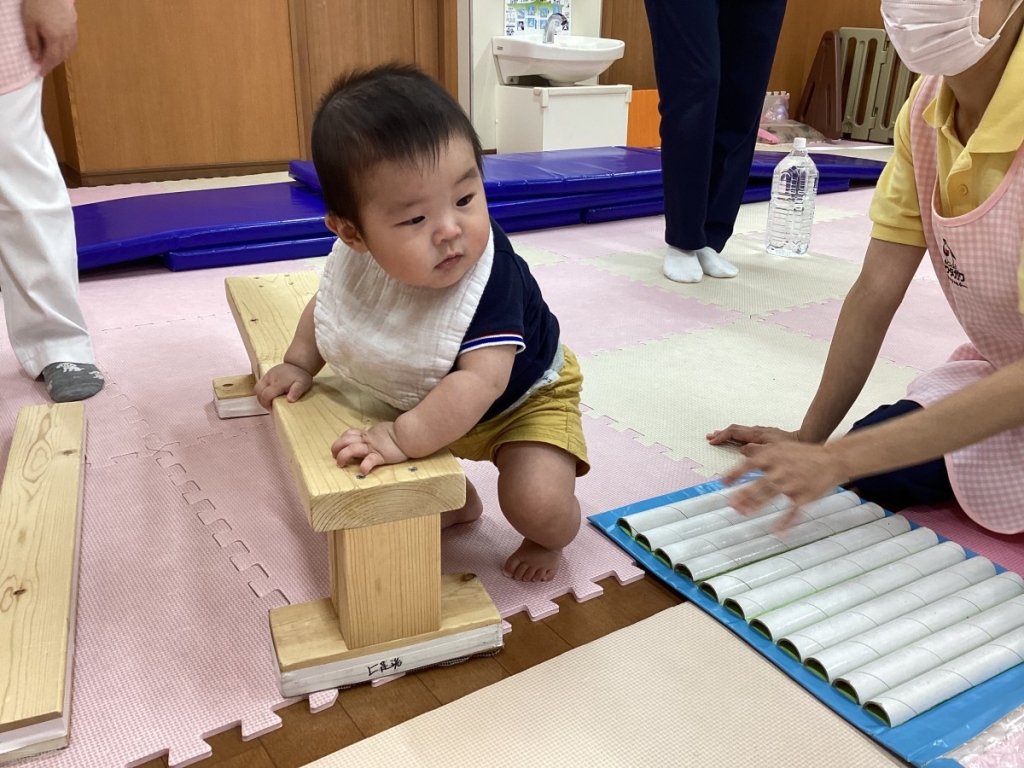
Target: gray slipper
68, 382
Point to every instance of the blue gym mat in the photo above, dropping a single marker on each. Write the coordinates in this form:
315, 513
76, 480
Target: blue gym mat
921, 741
756, 192
526, 191
549, 174
182, 259
529, 175
132, 228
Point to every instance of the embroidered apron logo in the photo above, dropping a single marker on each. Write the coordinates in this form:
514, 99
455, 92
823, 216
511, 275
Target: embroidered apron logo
956, 277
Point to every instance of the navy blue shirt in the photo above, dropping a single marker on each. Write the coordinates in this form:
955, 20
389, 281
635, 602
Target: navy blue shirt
512, 311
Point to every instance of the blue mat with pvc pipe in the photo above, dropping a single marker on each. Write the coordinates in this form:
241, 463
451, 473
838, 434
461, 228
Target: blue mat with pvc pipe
922, 741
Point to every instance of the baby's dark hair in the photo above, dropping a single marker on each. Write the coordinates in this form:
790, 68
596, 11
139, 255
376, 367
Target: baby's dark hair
391, 113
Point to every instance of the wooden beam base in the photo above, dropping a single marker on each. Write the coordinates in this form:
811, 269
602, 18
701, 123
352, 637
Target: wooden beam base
235, 397
312, 655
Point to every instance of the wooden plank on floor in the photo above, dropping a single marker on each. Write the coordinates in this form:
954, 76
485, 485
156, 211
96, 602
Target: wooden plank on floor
40, 524
267, 310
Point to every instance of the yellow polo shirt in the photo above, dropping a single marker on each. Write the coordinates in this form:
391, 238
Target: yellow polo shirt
967, 174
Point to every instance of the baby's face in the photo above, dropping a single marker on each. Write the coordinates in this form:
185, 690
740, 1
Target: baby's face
426, 225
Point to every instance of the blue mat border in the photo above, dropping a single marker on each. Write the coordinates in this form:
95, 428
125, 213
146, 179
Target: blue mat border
922, 741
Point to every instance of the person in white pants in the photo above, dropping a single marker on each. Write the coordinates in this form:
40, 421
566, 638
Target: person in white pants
38, 254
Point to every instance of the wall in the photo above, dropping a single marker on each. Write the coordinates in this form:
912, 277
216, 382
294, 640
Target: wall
207, 85
487, 20
805, 22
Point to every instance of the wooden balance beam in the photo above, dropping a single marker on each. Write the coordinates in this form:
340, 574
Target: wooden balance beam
40, 526
390, 609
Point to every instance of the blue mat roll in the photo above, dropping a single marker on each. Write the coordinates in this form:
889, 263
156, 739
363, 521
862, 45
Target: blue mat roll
183, 259
132, 228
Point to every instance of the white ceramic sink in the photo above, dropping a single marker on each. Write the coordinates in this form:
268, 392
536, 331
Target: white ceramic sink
565, 61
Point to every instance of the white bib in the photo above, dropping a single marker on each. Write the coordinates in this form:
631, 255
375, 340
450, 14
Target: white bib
393, 340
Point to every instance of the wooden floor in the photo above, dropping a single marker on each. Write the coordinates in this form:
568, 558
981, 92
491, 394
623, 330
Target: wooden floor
363, 711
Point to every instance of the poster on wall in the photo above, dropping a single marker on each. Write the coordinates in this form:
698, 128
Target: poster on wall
526, 16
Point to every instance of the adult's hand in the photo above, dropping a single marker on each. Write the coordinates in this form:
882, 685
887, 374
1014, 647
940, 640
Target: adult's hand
800, 471
751, 439
51, 31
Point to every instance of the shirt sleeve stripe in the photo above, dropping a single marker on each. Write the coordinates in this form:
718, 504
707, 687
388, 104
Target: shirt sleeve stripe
493, 340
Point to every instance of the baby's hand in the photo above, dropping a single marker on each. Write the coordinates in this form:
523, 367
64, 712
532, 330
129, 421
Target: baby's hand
280, 380
374, 446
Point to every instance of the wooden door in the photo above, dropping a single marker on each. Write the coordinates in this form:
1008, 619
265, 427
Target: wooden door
332, 36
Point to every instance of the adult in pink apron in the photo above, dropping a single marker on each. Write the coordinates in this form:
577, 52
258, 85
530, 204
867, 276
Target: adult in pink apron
969, 440
976, 258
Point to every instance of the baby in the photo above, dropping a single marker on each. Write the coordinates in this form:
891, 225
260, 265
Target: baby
425, 305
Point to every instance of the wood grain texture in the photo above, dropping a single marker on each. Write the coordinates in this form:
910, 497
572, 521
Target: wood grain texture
307, 634
805, 22
234, 387
266, 311
333, 38
626, 20
182, 84
40, 521
386, 580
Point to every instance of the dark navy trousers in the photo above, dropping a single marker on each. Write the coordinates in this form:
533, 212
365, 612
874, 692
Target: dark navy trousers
926, 483
712, 59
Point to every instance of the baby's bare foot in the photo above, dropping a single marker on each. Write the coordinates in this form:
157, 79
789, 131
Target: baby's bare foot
469, 511
532, 562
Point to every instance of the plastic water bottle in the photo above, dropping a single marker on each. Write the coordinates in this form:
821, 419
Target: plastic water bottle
791, 210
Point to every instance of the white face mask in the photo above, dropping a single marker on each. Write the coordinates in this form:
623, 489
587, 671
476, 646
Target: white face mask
938, 37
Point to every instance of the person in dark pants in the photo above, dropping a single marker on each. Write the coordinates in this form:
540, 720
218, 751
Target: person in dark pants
712, 59
925, 483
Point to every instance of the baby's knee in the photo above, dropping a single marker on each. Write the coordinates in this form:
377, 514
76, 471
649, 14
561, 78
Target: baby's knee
545, 514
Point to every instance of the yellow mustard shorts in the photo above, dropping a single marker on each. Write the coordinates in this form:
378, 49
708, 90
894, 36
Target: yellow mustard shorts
551, 415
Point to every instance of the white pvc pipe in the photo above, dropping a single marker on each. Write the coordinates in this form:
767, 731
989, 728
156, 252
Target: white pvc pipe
910, 699
753, 528
833, 601
678, 510
829, 574
767, 571
705, 566
908, 662
658, 538
861, 618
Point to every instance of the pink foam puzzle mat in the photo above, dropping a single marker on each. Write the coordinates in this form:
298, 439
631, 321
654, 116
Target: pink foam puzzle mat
923, 333
192, 526
187, 546
618, 324
600, 239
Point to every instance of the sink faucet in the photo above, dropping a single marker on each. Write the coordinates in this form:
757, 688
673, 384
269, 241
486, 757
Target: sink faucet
550, 25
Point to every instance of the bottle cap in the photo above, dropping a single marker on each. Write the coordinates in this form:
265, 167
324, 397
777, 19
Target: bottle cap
799, 143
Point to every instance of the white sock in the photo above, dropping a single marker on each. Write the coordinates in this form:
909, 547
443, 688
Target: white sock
682, 266
714, 265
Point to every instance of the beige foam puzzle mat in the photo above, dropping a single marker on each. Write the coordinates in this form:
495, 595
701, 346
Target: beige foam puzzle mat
769, 282
745, 372
676, 689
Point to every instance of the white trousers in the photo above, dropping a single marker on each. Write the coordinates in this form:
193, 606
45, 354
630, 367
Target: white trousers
38, 255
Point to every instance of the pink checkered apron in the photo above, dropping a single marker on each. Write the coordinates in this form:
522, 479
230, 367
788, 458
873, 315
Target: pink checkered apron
976, 258
17, 68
